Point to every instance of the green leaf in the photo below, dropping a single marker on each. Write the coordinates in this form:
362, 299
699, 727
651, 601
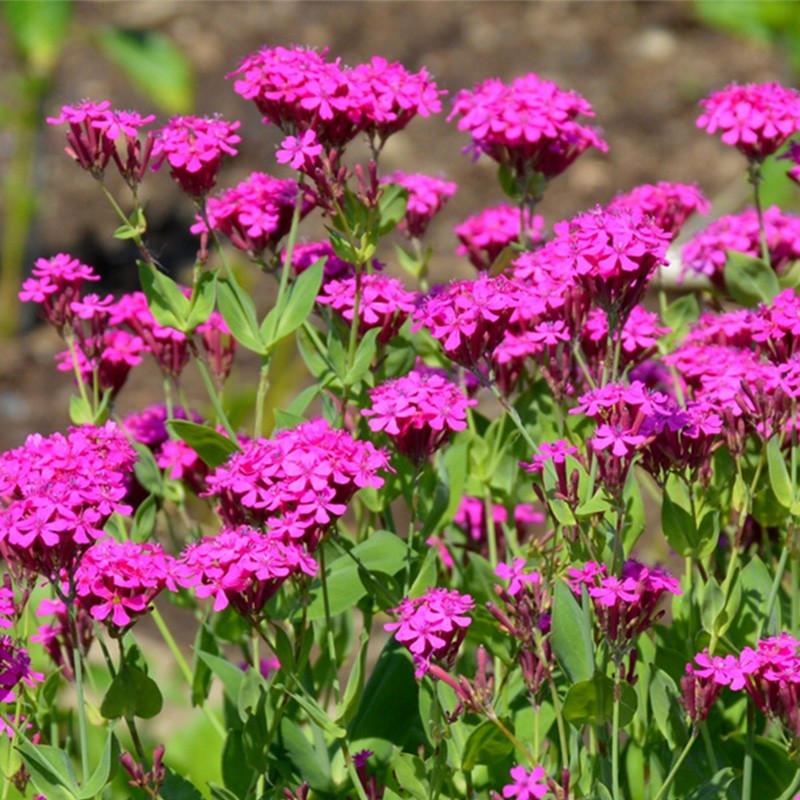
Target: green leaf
592, 702
486, 744
48, 765
104, 770
305, 759
716, 788
600, 792
391, 207
297, 308
779, 478
176, 787
749, 280
80, 413
135, 226
685, 535
167, 302
666, 710
203, 300
131, 694
204, 642
680, 314
239, 313
383, 551
355, 683
212, 447
144, 520
146, 470
230, 675
365, 352
712, 605
315, 712
412, 776
154, 64
39, 30
571, 635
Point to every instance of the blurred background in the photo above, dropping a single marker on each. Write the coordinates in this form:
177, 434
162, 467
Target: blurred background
642, 65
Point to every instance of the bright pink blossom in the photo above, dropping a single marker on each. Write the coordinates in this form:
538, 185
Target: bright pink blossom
527, 784
426, 197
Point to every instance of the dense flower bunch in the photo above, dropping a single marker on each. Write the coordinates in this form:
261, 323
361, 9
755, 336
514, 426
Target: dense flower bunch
669, 204
58, 492
433, 626
770, 674
384, 303
625, 606
426, 198
638, 338
255, 214
241, 567
219, 345
95, 132
116, 582
793, 155
756, 119
307, 253
59, 638
707, 251
297, 483
468, 318
485, 235
194, 148
298, 89
418, 413
15, 669
530, 125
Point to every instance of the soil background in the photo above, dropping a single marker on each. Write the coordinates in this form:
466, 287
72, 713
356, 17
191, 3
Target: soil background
642, 65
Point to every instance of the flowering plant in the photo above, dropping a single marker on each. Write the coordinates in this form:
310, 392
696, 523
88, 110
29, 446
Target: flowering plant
439, 571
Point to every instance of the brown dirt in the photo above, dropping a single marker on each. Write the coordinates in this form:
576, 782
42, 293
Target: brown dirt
643, 66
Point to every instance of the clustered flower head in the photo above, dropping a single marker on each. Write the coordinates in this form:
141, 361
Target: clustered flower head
432, 627
116, 582
58, 638
194, 148
707, 251
384, 303
768, 673
57, 493
669, 204
418, 413
256, 214
15, 669
297, 483
485, 235
625, 606
298, 90
756, 119
426, 197
307, 253
242, 567
95, 133
530, 125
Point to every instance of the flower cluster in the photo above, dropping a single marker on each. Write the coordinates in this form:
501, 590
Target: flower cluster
241, 567
426, 197
625, 606
669, 204
432, 627
297, 483
58, 492
307, 253
770, 674
418, 412
297, 89
255, 214
194, 148
58, 638
93, 139
530, 125
15, 669
384, 303
116, 582
756, 119
707, 251
485, 235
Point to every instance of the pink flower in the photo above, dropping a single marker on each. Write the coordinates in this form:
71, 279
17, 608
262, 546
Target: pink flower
15, 669
426, 197
669, 204
298, 152
432, 627
418, 412
194, 148
517, 576
755, 118
527, 785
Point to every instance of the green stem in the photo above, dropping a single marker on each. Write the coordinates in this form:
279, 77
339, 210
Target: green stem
668, 781
208, 383
261, 396
77, 661
755, 178
775, 588
186, 671
747, 764
412, 531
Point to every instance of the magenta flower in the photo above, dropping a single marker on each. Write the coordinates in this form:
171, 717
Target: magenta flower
194, 148
517, 576
241, 567
256, 214
58, 638
116, 582
418, 412
384, 303
757, 119
527, 785
301, 152
530, 125
15, 669
485, 235
307, 253
432, 627
426, 197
